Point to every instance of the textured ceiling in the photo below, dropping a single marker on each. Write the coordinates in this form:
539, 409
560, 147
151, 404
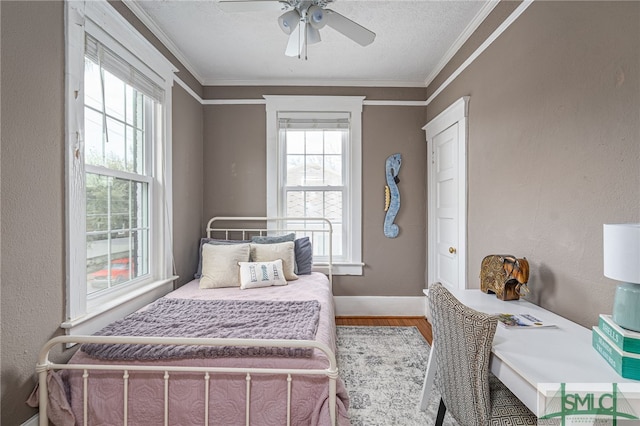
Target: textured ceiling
413, 41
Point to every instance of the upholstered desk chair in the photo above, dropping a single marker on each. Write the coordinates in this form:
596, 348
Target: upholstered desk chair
462, 339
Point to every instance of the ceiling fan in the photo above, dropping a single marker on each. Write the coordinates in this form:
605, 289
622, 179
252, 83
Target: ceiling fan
302, 21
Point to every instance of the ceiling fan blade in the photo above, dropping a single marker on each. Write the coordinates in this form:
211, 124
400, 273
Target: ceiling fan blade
296, 40
251, 5
347, 27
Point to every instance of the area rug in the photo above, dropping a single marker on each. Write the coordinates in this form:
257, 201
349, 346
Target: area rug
383, 370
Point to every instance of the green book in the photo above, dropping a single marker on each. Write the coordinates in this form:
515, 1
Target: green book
627, 340
626, 364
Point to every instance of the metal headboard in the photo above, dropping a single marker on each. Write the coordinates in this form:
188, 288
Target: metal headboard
272, 226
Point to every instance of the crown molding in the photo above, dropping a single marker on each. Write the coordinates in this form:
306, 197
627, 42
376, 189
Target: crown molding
162, 36
494, 35
263, 101
394, 103
188, 89
461, 40
311, 82
234, 102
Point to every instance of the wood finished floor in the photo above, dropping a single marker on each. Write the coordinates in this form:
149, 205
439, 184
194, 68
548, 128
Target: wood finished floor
420, 322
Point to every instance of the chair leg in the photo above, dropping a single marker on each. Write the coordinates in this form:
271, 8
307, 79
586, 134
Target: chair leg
441, 410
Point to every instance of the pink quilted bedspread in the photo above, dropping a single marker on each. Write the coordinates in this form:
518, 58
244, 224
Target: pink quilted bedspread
227, 392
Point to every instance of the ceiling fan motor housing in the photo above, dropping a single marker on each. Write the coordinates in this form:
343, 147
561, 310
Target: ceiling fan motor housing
304, 4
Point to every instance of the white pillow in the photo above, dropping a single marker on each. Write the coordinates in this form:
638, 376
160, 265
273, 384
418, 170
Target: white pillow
261, 274
220, 265
271, 252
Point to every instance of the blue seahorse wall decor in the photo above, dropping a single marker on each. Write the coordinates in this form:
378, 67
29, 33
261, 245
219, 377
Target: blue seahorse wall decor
392, 195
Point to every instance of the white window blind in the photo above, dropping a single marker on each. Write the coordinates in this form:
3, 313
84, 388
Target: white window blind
319, 120
117, 66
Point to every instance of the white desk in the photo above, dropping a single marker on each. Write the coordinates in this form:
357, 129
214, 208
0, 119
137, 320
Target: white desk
523, 359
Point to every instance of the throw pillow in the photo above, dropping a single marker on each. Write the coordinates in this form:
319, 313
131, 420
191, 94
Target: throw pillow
273, 240
261, 274
304, 256
220, 264
271, 252
214, 241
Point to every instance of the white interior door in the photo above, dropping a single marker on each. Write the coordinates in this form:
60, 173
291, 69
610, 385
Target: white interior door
447, 194
445, 178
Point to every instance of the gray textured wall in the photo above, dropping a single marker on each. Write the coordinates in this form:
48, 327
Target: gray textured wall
33, 194
235, 173
554, 146
187, 182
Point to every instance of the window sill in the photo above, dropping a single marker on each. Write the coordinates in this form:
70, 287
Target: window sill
341, 268
118, 308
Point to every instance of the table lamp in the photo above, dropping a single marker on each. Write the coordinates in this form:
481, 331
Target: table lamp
622, 263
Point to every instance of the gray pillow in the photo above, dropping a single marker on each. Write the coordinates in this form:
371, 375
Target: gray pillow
303, 250
213, 241
273, 240
304, 255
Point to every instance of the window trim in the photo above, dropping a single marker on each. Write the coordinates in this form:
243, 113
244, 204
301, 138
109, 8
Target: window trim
104, 23
350, 104
345, 248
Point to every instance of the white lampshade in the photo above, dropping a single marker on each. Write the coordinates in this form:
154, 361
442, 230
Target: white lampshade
288, 21
313, 35
317, 17
621, 243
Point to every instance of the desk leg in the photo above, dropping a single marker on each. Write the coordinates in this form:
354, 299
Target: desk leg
428, 379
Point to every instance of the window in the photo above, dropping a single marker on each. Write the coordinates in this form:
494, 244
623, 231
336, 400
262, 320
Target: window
314, 169
313, 173
118, 168
118, 128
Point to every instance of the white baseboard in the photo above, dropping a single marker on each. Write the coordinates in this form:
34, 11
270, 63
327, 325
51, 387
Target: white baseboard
33, 421
380, 306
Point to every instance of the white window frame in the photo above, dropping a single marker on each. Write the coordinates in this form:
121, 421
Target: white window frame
352, 265
86, 315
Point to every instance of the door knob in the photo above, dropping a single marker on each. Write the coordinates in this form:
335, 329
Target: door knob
452, 250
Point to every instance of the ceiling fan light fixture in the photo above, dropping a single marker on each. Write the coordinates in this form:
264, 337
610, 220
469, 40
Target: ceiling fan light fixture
302, 21
316, 17
288, 21
313, 35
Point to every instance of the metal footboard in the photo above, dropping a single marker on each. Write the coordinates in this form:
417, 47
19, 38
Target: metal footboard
44, 365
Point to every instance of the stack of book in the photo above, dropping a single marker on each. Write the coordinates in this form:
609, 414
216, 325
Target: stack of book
618, 346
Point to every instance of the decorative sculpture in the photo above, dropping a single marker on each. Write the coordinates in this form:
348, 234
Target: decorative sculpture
392, 195
504, 275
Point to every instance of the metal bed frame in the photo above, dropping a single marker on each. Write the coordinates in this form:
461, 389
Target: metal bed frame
277, 226
274, 226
